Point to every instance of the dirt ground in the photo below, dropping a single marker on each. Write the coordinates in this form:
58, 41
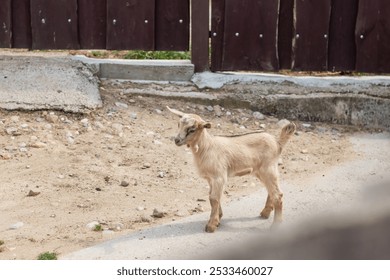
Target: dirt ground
69, 181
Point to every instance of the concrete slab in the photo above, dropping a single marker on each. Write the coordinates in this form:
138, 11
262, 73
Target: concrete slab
50, 82
127, 69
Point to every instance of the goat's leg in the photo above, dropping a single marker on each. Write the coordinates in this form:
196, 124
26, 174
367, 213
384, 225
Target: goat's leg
275, 195
216, 188
269, 206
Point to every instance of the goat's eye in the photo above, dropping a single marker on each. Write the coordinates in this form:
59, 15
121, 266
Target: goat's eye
191, 130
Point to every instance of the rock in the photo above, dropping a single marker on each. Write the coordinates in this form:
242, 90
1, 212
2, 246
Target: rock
116, 227
16, 226
161, 174
157, 142
304, 151
38, 144
263, 126
283, 123
85, 122
306, 125
146, 165
133, 116
124, 184
158, 111
158, 214
14, 118
52, 118
121, 105
92, 225
33, 193
144, 219
12, 131
228, 113
280, 161
217, 110
140, 208
258, 115
210, 108
5, 156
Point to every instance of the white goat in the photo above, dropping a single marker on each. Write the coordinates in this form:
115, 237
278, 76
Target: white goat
218, 158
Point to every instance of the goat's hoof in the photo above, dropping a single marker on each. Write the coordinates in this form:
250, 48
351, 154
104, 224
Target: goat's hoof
264, 216
210, 228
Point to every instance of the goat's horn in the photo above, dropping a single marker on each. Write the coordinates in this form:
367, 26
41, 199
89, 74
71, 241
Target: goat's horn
176, 112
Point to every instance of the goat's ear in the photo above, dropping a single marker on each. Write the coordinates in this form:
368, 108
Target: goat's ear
176, 112
206, 125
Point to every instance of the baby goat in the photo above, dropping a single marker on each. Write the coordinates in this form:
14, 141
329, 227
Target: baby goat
218, 158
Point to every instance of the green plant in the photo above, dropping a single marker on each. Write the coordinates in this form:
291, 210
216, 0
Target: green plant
1, 242
47, 256
98, 228
156, 55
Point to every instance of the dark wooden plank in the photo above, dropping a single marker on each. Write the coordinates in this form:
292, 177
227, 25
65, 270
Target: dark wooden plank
172, 25
200, 35
285, 33
5, 24
250, 39
373, 36
21, 24
92, 23
54, 24
217, 33
130, 24
342, 48
311, 31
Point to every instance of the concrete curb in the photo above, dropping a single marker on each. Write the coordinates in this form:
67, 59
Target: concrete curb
156, 70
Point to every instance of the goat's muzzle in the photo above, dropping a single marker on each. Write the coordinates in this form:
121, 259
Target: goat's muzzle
178, 141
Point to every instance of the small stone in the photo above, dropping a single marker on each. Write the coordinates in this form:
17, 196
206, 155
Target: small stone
199, 208
157, 142
24, 126
16, 226
228, 113
98, 189
53, 216
38, 144
116, 226
5, 156
12, 131
283, 123
121, 105
263, 126
32, 193
158, 111
280, 161
92, 225
306, 125
304, 151
146, 165
15, 118
140, 208
52, 118
132, 101
210, 108
258, 116
133, 116
158, 214
217, 110
124, 184
144, 219
161, 174
85, 122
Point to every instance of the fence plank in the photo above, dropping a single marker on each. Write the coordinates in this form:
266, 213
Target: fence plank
285, 33
217, 33
130, 24
250, 41
54, 24
5, 24
342, 48
172, 25
92, 23
373, 36
311, 31
21, 24
200, 35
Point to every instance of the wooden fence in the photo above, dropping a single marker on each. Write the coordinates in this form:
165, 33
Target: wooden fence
254, 35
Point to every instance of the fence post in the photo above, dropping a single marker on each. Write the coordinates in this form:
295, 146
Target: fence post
200, 34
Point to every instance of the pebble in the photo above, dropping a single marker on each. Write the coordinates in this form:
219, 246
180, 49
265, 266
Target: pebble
12, 131
140, 208
133, 116
32, 193
116, 226
121, 105
228, 113
17, 225
15, 118
158, 214
161, 174
146, 165
38, 144
210, 108
52, 118
258, 115
157, 142
144, 219
283, 122
217, 110
306, 125
304, 151
92, 225
85, 122
158, 111
124, 184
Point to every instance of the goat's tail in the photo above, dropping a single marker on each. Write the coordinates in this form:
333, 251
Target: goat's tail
287, 131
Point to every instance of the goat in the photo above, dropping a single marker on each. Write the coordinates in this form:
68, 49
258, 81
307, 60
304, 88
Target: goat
220, 157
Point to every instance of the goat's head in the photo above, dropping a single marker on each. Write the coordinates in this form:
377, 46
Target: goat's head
190, 127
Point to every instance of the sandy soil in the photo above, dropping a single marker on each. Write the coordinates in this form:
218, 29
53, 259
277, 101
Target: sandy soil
61, 174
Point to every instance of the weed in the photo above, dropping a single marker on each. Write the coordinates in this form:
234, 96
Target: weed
98, 228
47, 256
